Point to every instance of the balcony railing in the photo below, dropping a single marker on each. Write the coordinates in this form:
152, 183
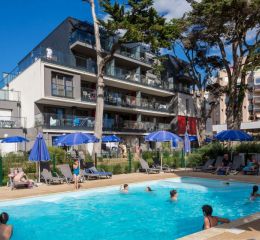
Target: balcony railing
7, 95
117, 99
130, 52
53, 121
11, 122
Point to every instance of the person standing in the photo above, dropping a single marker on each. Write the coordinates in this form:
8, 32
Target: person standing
6, 231
76, 171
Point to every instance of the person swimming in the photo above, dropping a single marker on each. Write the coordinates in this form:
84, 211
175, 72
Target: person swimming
148, 189
124, 188
6, 231
209, 220
254, 193
173, 195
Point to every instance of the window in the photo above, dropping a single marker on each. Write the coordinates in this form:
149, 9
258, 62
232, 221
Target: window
62, 85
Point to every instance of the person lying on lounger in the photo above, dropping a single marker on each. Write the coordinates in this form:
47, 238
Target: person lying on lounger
5, 230
209, 220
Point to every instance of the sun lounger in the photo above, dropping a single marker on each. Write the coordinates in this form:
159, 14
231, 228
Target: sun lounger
49, 178
146, 168
101, 173
206, 166
89, 175
67, 174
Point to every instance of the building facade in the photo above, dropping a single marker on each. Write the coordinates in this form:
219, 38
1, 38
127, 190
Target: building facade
57, 82
251, 104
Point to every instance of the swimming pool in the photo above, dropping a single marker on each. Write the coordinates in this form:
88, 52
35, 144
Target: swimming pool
105, 213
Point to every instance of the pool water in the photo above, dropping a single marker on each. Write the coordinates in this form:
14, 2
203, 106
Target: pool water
107, 214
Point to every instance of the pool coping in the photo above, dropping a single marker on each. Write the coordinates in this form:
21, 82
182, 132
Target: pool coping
223, 228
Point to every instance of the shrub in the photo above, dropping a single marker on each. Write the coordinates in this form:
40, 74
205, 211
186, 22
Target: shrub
194, 159
58, 153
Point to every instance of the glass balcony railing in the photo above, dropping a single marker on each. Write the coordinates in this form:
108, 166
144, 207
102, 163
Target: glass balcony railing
7, 95
80, 63
49, 120
130, 52
117, 99
8, 122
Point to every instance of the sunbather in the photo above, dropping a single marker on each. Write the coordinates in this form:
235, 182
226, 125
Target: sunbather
252, 165
76, 171
20, 176
124, 188
5, 230
225, 166
173, 195
254, 193
209, 220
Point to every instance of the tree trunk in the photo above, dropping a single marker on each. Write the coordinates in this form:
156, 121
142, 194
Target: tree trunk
100, 83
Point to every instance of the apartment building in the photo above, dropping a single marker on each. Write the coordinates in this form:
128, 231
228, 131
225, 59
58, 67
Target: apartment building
251, 104
57, 82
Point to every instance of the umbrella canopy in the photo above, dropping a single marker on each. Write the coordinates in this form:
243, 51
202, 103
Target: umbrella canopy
162, 136
208, 140
78, 138
111, 138
39, 152
14, 139
233, 135
186, 143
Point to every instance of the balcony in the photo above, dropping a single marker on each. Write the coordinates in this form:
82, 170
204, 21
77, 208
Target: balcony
121, 100
7, 95
53, 121
11, 122
106, 44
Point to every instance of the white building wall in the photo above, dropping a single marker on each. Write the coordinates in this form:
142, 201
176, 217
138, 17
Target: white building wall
31, 85
182, 109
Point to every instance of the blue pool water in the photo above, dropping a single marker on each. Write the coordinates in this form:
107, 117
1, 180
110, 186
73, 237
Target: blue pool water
107, 214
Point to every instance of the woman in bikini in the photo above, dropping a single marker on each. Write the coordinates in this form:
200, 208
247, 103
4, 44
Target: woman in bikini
209, 220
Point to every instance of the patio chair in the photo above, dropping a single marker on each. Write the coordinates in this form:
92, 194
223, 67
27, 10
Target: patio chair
49, 178
101, 173
67, 174
237, 163
206, 166
146, 168
166, 168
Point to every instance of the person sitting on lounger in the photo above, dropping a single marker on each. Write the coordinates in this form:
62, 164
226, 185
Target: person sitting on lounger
252, 165
209, 220
5, 230
224, 168
173, 195
254, 193
20, 176
124, 188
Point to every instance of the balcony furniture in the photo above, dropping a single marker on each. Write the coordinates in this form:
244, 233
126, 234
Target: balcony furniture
7, 124
76, 122
53, 122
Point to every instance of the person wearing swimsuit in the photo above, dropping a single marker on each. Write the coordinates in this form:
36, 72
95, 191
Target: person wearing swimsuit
76, 173
209, 220
6, 230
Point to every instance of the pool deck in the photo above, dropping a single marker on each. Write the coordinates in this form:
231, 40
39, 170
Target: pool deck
246, 228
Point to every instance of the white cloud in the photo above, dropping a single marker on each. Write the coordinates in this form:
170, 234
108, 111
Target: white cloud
172, 8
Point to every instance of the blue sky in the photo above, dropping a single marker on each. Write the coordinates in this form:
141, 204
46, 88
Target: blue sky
23, 24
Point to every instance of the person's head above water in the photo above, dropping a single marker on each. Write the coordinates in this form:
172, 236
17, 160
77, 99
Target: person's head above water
173, 194
125, 186
207, 210
4, 217
148, 189
255, 190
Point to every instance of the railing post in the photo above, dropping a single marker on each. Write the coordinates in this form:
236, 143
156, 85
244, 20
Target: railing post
1, 171
95, 160
129, 161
